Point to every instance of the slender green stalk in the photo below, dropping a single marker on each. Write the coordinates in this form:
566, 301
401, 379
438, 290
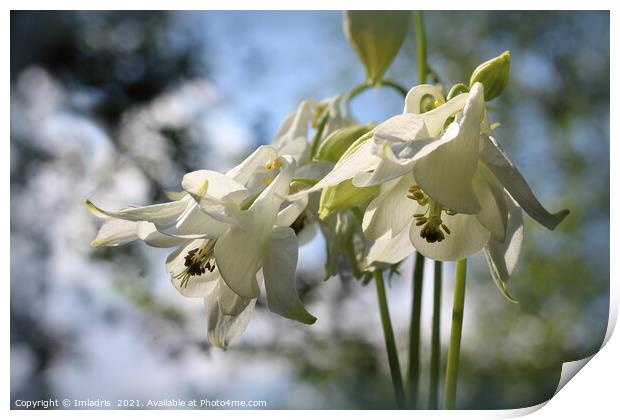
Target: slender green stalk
395, 85
413, 375
435, 343
455, 336
390, 343
357, 90
420, 42
314, 145
362, 87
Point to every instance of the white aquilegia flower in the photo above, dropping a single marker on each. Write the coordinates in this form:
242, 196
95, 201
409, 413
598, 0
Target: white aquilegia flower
258, 238
231, 231
452, 191
292, 136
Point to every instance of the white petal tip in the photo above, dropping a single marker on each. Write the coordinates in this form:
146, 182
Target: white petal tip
218, 344
94, 209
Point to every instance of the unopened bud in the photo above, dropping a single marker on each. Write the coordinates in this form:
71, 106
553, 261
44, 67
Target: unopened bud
344, 196
376, 36
493, 74
334, 146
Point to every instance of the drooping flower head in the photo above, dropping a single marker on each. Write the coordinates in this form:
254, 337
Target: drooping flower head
444, 182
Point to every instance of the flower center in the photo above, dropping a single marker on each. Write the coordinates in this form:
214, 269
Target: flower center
197, 262
431, 219
274, 164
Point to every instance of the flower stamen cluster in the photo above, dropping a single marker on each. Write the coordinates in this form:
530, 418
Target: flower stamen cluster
198, 261
431, 218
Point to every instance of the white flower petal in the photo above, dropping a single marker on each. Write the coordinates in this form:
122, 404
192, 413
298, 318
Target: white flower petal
295, 125
493, 213
291, 212
148, 232
467, 236
415, 95
247, 169
279, 265
446, 173
194, 222
435, 119
391, 211
405, 153
224, 328
502, 257
161, 214
296, 148
501, 166
391, 250
267, 204
339, 116
292, 136
400, 128
238, 258
213, 186
115, 232
225, 213
197, 286
359, 161
229, 302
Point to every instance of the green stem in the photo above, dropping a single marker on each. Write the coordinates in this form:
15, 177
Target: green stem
456, 90
455, 336
390, 343
420, 42
314, 145
362, 87
413, 376
356, 91
435, 343
394, 85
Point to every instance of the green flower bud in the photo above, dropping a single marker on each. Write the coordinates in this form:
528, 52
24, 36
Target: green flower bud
334, 146
376, 36
493, 74
344, 196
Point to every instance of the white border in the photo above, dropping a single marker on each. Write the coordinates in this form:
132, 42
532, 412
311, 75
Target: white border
594, 394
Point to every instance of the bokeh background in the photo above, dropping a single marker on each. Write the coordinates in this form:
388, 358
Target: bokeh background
117, 106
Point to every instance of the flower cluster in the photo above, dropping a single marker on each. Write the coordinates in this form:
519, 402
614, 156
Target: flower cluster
446, 188
433, 179
233, 232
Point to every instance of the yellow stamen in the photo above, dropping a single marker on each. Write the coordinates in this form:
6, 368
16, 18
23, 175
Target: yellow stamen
274, 164
431, 218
